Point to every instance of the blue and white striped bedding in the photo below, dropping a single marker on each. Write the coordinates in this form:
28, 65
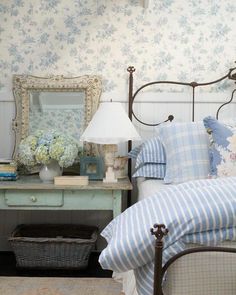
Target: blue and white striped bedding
201, 211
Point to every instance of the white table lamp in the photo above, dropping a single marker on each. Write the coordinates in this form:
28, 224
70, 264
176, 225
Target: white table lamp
109, 126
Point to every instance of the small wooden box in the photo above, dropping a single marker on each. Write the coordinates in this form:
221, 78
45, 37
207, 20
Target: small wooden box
71, 180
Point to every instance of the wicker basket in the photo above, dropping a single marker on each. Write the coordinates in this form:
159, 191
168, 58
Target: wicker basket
53, 246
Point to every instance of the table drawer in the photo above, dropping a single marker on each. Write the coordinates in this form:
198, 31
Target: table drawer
21, 198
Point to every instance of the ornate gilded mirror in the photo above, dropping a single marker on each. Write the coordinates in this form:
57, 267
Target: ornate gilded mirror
56, 102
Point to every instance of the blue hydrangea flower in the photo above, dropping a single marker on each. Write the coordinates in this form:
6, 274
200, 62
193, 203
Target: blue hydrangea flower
44, 146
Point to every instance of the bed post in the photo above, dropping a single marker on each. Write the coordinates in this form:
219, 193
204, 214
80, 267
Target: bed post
159, 231
130, 69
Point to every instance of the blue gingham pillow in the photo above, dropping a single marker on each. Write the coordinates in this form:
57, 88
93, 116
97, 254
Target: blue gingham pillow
150, 151
222, 151
186, 147
151, 171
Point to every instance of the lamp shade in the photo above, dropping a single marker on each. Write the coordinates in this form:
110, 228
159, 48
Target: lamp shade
110, 125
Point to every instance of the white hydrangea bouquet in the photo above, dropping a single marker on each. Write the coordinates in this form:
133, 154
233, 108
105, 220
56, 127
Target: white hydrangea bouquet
47, 145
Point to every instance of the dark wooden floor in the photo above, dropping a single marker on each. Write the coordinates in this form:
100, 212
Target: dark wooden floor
8, 268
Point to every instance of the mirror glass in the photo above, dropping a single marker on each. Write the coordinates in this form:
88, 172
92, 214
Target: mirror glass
62, 111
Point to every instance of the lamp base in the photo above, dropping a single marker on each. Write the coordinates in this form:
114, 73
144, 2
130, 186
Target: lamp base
110, 176
109, 156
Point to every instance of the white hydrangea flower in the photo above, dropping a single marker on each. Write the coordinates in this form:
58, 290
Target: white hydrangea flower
44, 146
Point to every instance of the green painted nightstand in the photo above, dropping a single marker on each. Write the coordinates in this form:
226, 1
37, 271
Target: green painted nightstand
29, 193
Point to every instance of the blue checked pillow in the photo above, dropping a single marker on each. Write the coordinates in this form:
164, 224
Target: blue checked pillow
222, 151
151, 171
186, 147
150, 151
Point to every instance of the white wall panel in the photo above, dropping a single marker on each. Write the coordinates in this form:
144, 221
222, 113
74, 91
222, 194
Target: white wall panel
7, 113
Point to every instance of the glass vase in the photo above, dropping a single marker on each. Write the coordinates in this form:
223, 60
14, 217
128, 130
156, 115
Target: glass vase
49, 171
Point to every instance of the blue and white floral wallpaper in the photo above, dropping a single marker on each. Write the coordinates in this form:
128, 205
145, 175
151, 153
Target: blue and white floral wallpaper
171, 39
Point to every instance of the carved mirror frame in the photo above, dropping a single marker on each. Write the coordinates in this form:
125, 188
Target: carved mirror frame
23, 84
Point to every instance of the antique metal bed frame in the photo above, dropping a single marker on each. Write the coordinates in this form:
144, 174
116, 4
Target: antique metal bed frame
159, 230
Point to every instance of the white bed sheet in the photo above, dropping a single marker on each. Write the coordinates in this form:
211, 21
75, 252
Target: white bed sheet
148, 187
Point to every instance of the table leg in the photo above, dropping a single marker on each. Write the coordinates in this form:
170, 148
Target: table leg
117, 198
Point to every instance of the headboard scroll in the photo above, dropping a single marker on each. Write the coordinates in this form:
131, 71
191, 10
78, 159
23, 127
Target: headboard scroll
230, 75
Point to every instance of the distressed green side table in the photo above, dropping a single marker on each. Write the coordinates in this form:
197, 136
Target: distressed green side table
29, 193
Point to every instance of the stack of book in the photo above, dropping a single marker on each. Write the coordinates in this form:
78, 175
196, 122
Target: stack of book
8, 170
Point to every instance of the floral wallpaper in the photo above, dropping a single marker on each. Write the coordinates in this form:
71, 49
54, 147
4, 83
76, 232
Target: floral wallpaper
171, 39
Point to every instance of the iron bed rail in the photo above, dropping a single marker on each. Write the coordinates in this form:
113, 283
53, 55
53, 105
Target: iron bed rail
160, 231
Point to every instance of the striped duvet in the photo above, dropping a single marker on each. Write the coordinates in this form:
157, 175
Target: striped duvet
202, 211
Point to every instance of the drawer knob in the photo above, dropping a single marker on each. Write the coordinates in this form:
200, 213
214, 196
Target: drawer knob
33, 199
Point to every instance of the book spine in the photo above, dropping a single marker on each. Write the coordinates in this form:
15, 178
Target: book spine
7, 174
8, 178
7, 168
6, 161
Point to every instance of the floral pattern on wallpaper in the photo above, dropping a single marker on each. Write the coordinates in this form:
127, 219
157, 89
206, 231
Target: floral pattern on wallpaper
70, 122
184, 40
